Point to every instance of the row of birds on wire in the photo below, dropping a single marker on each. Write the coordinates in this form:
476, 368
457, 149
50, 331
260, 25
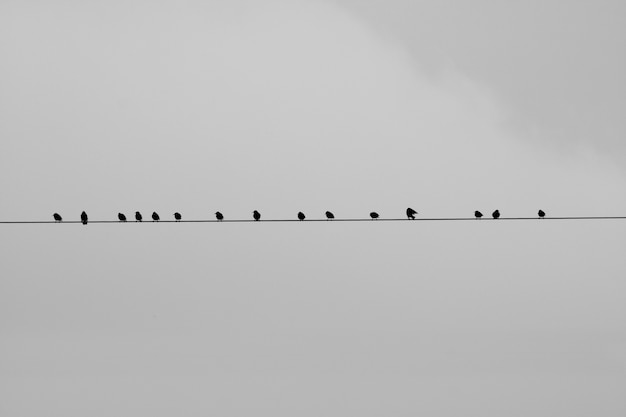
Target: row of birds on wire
410, 214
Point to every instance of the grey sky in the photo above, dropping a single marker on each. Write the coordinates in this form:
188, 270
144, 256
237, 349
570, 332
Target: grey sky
301, 105
557, 66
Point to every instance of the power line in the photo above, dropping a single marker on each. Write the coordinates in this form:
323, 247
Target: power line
427, 219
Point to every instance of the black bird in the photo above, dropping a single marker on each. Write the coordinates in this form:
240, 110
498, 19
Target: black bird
329, 215
177, 216
256, 215
410, 213
301, 215
121, 217
374, 215
541, 214
57, 217
138, 216
478, 214
496, 214
219, 216
155, 217
83, 217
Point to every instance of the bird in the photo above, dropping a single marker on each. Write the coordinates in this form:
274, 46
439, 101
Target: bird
138, 216
177, 216
57, 217
374, 215
410, 213
496, 214
121, 217
83, 217
541, 214
478, 214
256, 215
301, 216
219, 216
329, 215
155, 217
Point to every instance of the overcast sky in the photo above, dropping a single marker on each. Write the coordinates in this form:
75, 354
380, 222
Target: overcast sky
287, 106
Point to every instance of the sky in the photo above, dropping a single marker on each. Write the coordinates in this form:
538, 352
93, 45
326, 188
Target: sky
305, 105
557, 65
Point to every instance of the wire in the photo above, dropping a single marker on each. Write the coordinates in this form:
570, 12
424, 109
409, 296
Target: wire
324, 220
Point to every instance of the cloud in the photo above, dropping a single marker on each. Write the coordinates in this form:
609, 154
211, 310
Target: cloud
556, 68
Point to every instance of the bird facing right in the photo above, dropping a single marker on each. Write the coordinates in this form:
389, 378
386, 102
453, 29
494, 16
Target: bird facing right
177, 216
496, 214
256, 215
541, 214
219, 216
374, 215
478, 214
329, 215
155, 216
410, 213
121, 217
138, 216
57, 217
301, 216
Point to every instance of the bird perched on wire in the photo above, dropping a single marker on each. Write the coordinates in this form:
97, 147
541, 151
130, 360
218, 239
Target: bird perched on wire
121, 217
374, 215
329, 215
177, 216
83, 217
256, 215
155, 217
57, 217
301, 216
541, 214
219, 216
496, 214
410, 213
138, 216
478, 214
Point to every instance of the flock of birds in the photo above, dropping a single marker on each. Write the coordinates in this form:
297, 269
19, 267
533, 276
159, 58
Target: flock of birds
410, 214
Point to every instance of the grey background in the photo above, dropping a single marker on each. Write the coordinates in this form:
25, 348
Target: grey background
283, 106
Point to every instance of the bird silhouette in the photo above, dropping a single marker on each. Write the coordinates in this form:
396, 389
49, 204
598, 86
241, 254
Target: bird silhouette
138, 216
57, 217
496, 214
301, 216
541, 214
83, 217
256, 215
410, 213
329, 215
121, 217
478, 214
155, 217
219, 216
177, 216
374, 215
